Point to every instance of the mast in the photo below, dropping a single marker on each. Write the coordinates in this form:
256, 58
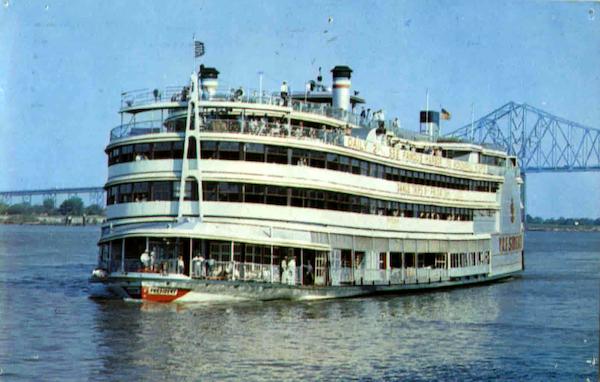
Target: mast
192, 131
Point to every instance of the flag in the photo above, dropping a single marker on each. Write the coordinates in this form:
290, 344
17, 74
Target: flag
445, 114
198, 49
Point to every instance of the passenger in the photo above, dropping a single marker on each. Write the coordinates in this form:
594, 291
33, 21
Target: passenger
145, 260
284, 93
291, 268
310, 278
283, 270
152, 261
180, 265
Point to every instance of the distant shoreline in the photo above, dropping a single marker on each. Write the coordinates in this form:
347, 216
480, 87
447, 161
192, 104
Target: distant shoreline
562, 228
50, 220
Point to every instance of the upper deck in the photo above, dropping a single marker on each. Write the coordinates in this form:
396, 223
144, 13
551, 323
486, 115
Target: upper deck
173, 98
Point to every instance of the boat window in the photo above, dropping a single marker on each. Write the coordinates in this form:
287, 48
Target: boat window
332, 162
127, 153
141, 191
161, 190
317, 159
298, 197
255, 152
276, 195
114, 156
124, 193
208, 149
209, 191
395, 260
344, 163
356, 165
162, 150
177, 150
364, 167
277, 154
230, 192
229, 150
255, 193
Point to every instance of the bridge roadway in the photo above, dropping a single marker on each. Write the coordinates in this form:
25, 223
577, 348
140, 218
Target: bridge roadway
95, 195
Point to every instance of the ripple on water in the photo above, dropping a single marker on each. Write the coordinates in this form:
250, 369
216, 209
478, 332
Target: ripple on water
542, 326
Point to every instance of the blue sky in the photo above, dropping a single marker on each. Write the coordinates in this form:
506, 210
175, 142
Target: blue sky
63, 65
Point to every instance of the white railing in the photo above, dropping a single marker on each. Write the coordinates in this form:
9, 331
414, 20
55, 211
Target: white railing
181, 94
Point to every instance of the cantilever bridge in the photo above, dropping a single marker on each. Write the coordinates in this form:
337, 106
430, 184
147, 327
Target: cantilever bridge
541, 141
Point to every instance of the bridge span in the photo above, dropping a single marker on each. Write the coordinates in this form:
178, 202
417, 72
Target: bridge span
93, 195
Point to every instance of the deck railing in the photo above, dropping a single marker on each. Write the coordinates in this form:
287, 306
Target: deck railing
257, 272
250, 127
177, 94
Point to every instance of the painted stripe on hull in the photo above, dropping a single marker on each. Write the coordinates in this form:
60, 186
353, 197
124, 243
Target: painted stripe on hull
162, 294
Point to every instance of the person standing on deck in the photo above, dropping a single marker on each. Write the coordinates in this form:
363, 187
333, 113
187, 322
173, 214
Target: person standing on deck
152, 260
180, 265
283, 270
145, 260
284, 93
291, 267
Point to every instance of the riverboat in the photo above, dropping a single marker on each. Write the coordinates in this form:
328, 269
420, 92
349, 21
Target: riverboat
237, 194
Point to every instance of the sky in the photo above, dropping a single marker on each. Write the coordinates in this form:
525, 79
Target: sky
64, 64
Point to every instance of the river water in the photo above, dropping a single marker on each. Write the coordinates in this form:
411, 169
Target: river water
541, 326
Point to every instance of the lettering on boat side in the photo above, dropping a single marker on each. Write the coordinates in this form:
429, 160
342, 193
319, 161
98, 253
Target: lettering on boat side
162, 291
511, 243
411, 156
418, 190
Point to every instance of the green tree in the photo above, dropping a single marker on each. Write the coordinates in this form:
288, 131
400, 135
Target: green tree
49, 206
19, 209
72, 206
3, 208
94, 209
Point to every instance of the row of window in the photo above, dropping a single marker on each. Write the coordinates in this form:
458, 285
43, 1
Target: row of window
256, 152
471, 259
280, 195
150, 191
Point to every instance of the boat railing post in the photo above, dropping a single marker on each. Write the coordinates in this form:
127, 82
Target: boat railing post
403, 269
388, 269
352, 259
123, 255
190, 270
232, 262
301, 266
272, 270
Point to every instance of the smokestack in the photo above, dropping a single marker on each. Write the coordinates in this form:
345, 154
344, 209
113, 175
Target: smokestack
341, 87
209, 81
430, 124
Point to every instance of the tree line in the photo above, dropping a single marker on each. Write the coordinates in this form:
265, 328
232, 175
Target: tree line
562, 221
73, 207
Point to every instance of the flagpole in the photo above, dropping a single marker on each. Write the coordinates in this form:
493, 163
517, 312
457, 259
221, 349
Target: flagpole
427, 112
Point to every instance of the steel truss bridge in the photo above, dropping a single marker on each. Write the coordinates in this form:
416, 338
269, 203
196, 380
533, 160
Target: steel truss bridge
541, 141
94, 195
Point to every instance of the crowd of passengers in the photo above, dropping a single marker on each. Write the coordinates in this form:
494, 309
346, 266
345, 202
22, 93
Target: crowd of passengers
209, 268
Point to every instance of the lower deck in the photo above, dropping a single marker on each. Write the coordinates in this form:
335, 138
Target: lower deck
195, 269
